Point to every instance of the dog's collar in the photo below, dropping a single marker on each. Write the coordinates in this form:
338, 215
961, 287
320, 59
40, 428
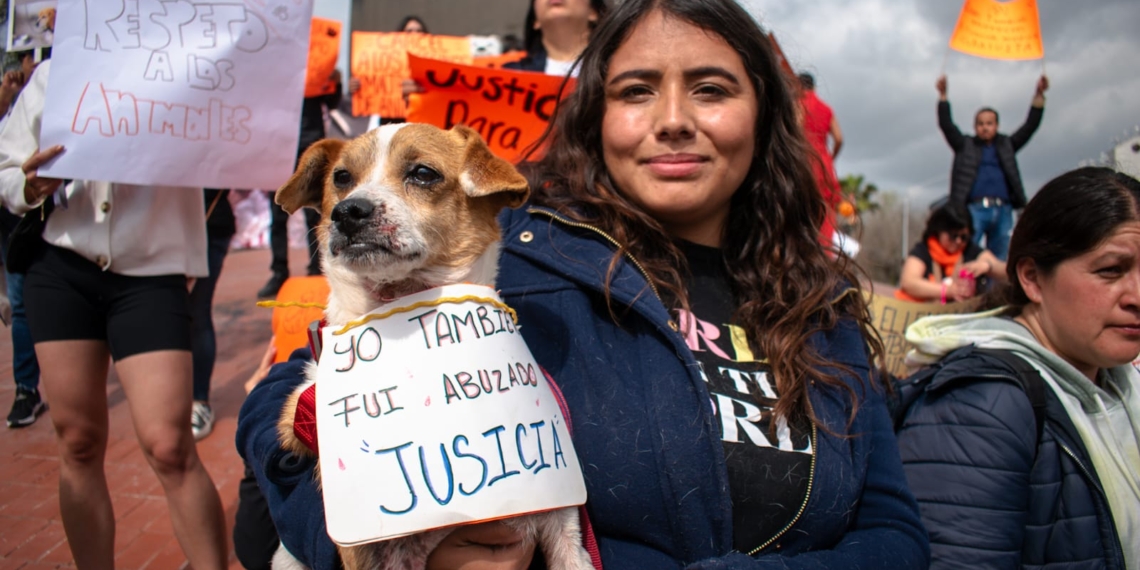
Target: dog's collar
305, 418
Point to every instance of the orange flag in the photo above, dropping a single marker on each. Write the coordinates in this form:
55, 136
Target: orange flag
380, 62
324, 48
510, 109
999, 30
291, 324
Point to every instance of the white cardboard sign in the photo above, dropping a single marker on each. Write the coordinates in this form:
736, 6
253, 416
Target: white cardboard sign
195, 93
436, 416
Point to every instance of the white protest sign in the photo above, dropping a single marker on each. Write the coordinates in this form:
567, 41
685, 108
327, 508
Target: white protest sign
196, 93
435, 415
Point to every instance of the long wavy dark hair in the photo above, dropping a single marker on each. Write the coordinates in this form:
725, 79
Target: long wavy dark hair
786, 284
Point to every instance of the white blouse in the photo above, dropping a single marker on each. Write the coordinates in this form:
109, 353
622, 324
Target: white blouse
126, 229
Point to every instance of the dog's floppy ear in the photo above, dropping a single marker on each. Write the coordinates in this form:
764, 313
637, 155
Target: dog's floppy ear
485, 174
307, 185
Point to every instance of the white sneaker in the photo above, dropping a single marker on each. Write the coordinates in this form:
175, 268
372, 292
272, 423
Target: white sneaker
201, 420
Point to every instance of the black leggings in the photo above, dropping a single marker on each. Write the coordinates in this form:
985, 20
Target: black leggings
67, 297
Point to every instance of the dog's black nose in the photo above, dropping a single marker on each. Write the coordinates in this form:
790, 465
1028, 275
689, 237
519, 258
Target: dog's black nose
350, 215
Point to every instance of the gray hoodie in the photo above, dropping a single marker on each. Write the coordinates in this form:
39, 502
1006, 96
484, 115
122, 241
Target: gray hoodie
1107, 417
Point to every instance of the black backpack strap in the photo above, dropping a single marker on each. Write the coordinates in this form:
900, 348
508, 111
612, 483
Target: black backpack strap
904, 392
1028, 378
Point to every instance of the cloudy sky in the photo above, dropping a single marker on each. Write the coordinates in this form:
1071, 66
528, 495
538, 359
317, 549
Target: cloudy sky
876, 62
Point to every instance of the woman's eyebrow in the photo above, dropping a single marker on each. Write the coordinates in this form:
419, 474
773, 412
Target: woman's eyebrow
689, 74
643, 74
711, 70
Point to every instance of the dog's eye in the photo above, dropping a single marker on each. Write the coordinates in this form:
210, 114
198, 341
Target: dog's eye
423, 176
342, 178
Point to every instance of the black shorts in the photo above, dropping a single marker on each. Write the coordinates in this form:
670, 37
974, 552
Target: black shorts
67, 297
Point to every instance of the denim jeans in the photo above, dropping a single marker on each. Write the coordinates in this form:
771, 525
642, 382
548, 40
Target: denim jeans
25, 367
204, 345
995, 224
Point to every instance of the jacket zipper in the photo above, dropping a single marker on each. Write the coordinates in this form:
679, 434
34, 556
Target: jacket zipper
807, 497
1085, 470
613, 241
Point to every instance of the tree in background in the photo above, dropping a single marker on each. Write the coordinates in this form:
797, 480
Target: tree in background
875, 219
859, 193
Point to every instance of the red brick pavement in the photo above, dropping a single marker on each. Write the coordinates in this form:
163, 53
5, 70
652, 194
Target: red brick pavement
31, 535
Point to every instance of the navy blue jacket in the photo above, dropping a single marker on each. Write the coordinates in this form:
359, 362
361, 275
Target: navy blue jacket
652, 458
991, 494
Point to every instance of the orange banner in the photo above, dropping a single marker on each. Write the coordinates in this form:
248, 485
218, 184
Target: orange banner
999, 30
510, 109
380, 62
324, 48
291, 324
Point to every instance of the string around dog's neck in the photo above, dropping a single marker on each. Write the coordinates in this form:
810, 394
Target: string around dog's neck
397, 310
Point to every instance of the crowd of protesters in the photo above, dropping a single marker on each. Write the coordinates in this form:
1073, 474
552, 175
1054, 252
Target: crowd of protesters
686, 184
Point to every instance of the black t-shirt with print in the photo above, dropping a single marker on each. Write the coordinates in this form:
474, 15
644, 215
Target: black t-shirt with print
768, 472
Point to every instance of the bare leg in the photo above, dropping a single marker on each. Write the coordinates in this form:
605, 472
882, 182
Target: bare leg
158, 388
74, 377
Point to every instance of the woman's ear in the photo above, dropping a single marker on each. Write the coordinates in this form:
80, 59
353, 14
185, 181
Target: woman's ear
1030, 279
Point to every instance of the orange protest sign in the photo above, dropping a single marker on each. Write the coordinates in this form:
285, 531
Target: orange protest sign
510, 109
999, 30
498, 61
380, 62
291, 323
324, 48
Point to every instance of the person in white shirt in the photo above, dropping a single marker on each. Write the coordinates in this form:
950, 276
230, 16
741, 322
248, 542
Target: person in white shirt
109, 279
556, 33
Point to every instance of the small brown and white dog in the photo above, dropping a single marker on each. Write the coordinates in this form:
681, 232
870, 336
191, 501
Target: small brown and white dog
405, 208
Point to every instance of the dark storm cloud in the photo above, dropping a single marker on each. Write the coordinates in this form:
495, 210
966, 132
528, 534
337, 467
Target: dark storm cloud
876, 62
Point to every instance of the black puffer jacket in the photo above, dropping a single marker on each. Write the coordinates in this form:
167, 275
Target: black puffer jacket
968, 155
991, 494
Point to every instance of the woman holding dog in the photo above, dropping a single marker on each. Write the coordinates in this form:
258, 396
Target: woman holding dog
1024, 446
713, 354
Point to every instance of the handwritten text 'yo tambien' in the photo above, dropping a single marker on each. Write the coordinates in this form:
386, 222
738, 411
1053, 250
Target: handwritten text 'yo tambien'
441, 328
